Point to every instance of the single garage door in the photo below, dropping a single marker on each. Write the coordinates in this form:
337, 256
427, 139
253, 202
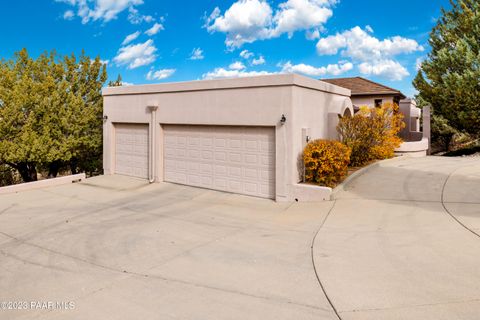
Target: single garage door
131, 150
233, 159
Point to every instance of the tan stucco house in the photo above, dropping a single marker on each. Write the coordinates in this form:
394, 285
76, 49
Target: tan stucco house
237, 135
365, 92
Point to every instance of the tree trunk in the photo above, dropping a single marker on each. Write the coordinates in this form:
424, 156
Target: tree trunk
27, 171
53, 169
73, 166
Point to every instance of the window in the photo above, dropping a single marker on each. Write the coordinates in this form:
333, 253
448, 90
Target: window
378, 103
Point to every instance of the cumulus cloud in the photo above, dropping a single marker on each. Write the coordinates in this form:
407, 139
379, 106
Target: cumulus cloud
389, 69
136, 55
247, 21
296, 15
160, 74
331, 69
155, 29
358, 44
375, 56
258, 61
236, 66
103, 10
197, 54
130, 38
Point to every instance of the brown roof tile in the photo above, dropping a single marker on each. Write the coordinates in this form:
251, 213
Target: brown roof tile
361, 86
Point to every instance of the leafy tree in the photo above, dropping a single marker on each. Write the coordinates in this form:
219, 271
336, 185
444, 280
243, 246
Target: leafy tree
50, 113
450, 78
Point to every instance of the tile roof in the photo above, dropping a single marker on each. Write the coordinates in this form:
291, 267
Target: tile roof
361, 86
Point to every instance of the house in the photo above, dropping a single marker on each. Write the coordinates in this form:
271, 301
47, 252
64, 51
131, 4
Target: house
241, 135
369, 93
366, 92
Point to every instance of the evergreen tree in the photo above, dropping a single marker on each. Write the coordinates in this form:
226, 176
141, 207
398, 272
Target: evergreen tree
450, 77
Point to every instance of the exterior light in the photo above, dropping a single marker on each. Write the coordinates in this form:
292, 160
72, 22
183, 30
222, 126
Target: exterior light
283, 119
105, 118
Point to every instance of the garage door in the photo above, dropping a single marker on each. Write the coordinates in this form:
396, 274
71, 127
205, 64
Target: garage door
233, 159
131, 150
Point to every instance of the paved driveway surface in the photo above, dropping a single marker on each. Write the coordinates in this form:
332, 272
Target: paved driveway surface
400, 242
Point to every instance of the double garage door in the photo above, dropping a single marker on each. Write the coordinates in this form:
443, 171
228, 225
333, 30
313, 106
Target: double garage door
227, 158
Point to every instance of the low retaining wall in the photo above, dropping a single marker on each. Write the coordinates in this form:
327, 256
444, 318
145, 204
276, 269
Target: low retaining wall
413, 149
304, 192
42, 183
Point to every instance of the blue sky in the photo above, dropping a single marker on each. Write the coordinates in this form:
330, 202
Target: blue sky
189, 40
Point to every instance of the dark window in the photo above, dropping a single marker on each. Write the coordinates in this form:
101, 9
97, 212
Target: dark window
378, 103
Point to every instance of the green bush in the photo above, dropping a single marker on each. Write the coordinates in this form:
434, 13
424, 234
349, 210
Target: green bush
326, 162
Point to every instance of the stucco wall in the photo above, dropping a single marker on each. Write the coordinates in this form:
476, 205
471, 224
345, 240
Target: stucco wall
370, 100
258, 101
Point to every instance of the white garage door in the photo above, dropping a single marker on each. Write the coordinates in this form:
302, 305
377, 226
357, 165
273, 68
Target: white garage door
131, 150
233, 159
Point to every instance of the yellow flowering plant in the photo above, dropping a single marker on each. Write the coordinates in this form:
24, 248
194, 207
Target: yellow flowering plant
372, 133
326, 162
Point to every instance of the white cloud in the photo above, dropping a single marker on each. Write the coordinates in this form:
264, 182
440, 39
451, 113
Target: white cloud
197, 54
220, 73
244, 22
104, 61
331, 69
260, 60
68, 15
296, 15
134, 17
388, 69
374, 55
126, 84
249, 20
154, 29
160, 74
245, 54
103, 10
358, 44
130, 38
236, 66
136, 55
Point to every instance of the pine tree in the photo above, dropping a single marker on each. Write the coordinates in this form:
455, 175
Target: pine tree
450, 77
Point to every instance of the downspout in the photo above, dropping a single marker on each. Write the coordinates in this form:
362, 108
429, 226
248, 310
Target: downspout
152, 143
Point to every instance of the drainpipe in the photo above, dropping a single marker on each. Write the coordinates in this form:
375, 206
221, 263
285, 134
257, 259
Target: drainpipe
152, 143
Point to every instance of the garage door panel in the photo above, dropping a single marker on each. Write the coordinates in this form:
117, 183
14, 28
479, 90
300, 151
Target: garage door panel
233, 159
131, 150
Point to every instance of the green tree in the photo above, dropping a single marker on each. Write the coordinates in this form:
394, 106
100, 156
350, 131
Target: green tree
450, 77
50, 113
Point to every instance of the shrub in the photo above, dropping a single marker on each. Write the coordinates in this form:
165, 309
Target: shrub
326, 162
372, 133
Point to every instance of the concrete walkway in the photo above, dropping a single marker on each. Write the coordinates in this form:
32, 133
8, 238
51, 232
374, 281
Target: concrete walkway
402, 242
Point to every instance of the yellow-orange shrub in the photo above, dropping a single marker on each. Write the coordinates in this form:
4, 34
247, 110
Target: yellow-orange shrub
326, 162
372, 133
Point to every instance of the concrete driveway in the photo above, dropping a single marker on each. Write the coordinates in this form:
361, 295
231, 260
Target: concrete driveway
400, 242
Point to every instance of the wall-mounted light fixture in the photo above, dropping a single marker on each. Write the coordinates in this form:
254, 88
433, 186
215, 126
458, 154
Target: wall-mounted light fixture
105, 118
283, 119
